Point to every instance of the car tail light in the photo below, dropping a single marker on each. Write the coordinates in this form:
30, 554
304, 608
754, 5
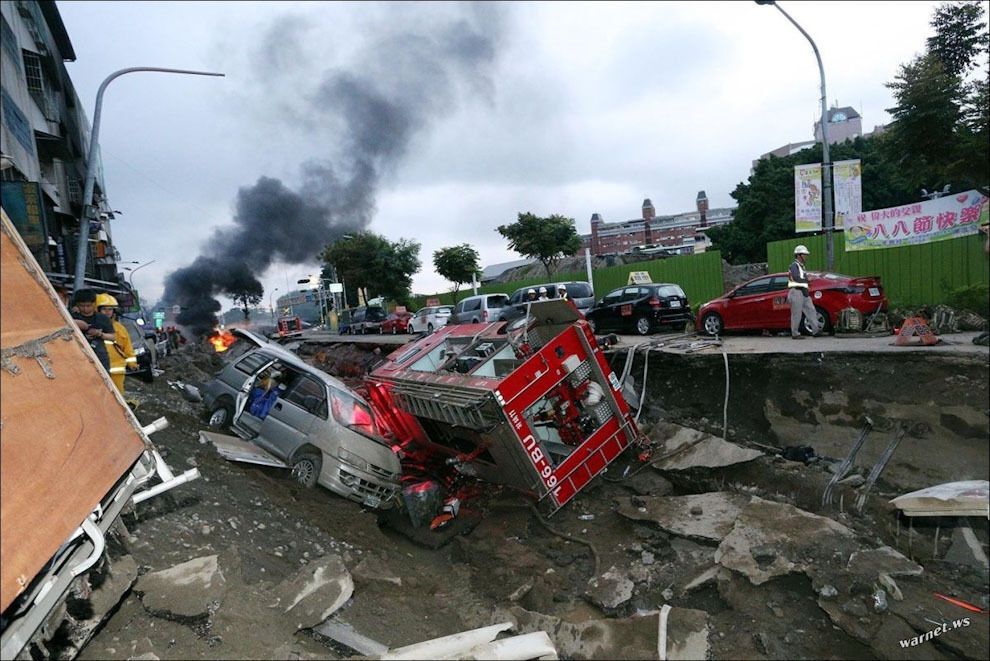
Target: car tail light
654, 302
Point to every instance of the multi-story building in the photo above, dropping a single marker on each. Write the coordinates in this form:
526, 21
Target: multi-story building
843, 124
44, 139
681, 233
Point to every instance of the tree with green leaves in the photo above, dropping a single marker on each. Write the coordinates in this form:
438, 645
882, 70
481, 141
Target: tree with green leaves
458, 264
940, 130
247, 298
546, 239
375, 265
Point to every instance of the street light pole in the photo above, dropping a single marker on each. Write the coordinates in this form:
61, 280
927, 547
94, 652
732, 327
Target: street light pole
271, 307
130, 276
82, 249
829, 217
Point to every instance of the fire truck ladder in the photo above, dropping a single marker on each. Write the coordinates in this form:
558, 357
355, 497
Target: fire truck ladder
455, 406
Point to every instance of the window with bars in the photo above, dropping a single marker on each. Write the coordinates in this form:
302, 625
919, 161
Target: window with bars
36, 81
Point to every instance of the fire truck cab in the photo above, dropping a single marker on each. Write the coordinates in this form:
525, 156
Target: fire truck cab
289, 326
532, 403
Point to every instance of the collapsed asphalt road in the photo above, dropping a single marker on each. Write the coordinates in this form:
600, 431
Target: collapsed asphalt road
749, 575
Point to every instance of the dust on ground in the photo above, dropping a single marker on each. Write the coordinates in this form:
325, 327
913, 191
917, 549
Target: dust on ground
264, 529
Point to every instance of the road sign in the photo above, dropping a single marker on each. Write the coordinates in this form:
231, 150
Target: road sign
335, 288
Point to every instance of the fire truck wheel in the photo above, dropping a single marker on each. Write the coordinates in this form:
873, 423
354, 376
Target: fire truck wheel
221, 415
642, 326
306, 469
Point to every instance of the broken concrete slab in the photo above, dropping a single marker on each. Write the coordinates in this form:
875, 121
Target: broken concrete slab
706, 577
772, 539
188, 591
315, 592
610, 590
705, 517
649, 483
884, 560
635, 637
696, 448
965, 498
965, 548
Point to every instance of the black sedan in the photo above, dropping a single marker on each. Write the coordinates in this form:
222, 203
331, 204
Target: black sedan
641, 309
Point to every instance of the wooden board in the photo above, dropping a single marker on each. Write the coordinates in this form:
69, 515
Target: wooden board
67, 436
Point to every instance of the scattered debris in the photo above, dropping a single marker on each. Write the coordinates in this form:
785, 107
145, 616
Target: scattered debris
479, 644
610, 590
345, 634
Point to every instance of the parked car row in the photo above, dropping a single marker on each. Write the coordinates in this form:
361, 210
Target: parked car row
759, 304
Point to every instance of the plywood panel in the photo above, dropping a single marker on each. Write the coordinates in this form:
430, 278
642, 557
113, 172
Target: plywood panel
67, 435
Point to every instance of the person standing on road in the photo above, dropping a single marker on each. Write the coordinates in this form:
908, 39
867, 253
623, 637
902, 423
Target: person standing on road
120, 350
798, 295
97, 328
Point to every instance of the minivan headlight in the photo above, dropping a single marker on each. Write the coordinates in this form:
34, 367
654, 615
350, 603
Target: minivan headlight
352, 459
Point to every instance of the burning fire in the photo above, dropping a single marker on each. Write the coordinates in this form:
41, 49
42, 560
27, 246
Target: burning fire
221, 340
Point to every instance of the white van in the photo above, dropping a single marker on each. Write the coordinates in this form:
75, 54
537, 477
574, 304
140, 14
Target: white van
479, 309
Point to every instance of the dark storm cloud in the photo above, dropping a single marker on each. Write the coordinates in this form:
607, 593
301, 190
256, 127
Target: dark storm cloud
405, 81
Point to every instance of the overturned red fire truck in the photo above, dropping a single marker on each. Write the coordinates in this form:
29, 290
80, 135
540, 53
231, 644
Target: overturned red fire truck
532, 404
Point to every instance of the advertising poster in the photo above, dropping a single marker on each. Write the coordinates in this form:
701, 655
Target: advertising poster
808, 197
943, 218
847, 180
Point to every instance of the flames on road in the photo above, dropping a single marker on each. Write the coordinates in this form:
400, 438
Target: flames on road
221, 340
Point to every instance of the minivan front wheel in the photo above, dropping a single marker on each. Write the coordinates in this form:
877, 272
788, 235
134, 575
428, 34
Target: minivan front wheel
306, 469
429, 328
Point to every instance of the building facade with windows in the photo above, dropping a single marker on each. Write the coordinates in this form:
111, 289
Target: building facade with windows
44, 139
677, 234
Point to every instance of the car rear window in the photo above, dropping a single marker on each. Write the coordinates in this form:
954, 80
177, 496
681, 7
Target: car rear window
579, 290
497, 301
670, 290
447, 309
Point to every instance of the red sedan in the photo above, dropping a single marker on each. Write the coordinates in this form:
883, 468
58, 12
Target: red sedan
396, 322
761, 303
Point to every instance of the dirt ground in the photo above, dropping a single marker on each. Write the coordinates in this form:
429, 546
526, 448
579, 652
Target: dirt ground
265, 530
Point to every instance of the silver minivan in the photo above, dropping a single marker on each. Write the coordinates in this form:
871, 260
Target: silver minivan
479, 309
307, 419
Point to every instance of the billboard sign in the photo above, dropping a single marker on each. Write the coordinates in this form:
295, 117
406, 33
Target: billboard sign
847, 177
808, 197
943, 218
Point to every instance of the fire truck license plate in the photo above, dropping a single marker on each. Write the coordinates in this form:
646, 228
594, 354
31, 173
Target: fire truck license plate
874, 291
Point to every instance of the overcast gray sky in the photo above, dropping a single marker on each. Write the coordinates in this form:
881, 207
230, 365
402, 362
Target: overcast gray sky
577, 108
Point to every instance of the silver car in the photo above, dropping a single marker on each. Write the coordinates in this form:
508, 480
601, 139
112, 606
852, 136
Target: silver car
307, 419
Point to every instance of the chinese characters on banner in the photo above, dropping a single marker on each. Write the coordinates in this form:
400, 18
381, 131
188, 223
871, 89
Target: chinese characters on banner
847, 180
943, 218
808, 197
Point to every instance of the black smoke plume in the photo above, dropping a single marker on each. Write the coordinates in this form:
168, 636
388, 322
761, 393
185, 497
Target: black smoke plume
407, 79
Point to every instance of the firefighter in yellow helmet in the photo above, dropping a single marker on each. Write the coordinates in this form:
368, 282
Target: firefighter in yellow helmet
120, 349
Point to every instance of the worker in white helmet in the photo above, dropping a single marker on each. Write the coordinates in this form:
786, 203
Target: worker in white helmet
530, 294
799, 296
543, 294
